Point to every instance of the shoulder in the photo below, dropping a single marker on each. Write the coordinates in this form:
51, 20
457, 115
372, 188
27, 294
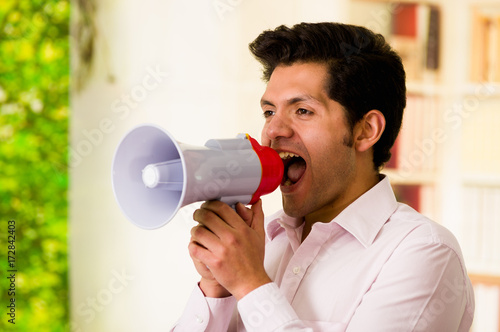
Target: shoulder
421, 237
420, 228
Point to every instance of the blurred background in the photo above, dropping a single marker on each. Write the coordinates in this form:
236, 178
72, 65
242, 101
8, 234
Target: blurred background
75, 76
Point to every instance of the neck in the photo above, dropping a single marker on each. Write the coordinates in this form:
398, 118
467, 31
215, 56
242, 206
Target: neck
329, 212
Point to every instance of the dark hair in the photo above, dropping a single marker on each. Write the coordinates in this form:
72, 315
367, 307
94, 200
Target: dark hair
365, 73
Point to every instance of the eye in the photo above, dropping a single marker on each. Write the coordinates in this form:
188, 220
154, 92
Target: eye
267, 114
303, 111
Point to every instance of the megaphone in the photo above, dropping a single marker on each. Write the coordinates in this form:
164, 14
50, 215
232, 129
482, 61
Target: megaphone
153, 175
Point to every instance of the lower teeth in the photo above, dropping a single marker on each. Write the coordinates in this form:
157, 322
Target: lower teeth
288, 182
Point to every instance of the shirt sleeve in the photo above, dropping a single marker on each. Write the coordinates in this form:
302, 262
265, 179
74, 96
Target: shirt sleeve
422, 287
266, 309
205, 314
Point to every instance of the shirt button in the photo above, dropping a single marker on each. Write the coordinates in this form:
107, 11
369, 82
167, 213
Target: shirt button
296, 270
199, 319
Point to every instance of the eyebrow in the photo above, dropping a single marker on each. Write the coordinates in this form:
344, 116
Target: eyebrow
291, 101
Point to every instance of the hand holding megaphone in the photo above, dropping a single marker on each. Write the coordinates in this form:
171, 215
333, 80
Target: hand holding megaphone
154, 176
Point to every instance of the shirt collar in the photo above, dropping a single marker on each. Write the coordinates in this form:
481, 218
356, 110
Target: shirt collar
277, 222
363, 218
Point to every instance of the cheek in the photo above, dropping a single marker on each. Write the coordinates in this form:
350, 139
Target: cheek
264, 140
320, 144
321, 165
329, 156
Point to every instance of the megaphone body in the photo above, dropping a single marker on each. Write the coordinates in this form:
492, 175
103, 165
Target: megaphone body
154, 176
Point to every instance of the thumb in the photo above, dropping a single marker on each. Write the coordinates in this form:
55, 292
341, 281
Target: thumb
245, 213
258, 217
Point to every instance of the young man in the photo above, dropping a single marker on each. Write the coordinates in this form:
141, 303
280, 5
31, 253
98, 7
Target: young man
343, 255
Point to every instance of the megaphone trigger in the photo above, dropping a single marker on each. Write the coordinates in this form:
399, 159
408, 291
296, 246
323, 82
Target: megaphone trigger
153, 175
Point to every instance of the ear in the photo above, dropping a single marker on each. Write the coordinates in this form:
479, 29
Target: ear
368, 130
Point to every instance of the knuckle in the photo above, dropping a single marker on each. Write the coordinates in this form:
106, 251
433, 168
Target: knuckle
217, 263
232, 241
246, 232
223, 253
230, 238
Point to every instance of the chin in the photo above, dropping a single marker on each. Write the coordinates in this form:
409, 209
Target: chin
291, 210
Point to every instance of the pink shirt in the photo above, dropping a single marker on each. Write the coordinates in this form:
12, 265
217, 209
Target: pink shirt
378, 266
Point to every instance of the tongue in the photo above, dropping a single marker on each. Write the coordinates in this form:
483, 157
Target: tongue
296, 170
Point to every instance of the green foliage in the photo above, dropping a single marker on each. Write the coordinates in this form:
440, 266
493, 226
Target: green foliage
34, 84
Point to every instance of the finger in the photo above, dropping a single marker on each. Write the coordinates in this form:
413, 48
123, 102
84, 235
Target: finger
224, 211
204, 237
202, 269
245, 213
257, 209
211, 220
200, 254
258, 217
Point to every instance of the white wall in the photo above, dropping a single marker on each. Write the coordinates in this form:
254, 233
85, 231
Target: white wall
206, 85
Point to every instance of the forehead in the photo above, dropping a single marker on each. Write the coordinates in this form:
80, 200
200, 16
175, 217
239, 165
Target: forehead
299, 79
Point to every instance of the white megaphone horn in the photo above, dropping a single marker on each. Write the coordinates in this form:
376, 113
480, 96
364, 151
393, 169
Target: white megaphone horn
154, 176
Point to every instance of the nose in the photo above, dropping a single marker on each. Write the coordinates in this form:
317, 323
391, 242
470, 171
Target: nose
277, 127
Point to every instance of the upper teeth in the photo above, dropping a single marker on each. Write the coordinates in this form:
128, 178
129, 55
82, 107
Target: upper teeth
286, 155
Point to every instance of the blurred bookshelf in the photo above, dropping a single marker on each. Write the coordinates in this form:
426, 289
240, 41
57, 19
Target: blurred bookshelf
446, 160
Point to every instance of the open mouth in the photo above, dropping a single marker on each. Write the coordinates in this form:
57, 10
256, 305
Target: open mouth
295, 167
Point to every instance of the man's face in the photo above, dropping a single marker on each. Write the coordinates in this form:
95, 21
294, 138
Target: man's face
310, 132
